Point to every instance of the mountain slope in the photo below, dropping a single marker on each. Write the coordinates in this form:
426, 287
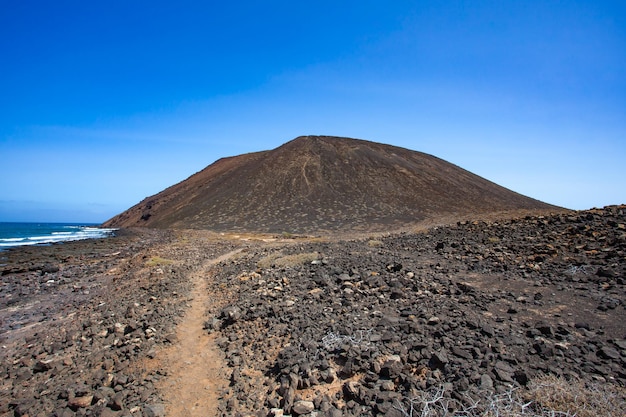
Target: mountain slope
322, 183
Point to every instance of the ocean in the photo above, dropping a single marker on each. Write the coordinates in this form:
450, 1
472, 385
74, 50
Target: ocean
23, 234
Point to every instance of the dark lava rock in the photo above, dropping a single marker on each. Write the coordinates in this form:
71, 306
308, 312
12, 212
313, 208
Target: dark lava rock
355, 334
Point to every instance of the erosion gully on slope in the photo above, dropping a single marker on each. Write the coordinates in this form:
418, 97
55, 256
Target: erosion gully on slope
195, 369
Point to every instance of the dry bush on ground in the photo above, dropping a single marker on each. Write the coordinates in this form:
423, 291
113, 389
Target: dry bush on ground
278, 260
578, 398
374, 243
547, 396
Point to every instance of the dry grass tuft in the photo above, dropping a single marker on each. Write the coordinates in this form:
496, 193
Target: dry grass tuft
158, 261
286, 261
547, 396
578, 398
374, 243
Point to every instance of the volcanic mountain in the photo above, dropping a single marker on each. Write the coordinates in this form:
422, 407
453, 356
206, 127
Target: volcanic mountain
323, 183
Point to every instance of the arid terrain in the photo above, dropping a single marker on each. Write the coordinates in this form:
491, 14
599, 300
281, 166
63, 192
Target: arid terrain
327, 277
187, 322
323, 184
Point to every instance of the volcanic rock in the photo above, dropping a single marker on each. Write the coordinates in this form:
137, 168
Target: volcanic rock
363, 352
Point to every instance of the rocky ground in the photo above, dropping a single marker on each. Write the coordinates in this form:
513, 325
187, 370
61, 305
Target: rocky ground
82, 323
316, 326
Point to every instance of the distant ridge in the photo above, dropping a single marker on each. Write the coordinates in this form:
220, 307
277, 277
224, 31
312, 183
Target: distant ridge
322, 183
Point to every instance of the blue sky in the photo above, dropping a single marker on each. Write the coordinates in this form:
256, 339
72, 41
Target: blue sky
106, 103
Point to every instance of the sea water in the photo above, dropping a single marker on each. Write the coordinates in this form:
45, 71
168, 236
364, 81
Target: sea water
22, 234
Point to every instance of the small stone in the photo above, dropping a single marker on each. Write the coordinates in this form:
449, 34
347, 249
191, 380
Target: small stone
42, 366
521, 377
394, 267
388, 386
117, 402
503, 366
351, 389
582, 325
391, 368
303, 407
487, 330
544, 328
334, 412
151, 353
212, 324
119, 328
486, 383
439, 359
107, 412
620, 344
503, 375
231, 313
605, 273
154, 410
461, 353
80, 402
49, 269
608, 353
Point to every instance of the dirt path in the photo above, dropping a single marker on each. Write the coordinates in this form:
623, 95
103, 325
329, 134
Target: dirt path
195, 369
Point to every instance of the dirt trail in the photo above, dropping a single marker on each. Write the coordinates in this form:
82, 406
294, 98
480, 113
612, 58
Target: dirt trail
195, 368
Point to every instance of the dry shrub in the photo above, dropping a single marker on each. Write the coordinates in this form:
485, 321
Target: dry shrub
374, 243
547, 396
577, 398
279, 260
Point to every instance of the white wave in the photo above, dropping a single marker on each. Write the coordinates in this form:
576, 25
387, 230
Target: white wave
11, 239
7, 243
81, 233
49, 237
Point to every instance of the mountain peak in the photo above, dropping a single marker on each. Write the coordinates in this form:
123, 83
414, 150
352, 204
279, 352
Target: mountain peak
323, 183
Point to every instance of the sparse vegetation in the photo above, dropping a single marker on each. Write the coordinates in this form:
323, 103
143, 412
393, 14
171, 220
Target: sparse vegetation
576, 269
158, 261
547, 396
578, 398
334, 341
286, 261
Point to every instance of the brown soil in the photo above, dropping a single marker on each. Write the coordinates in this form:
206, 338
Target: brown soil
196, 376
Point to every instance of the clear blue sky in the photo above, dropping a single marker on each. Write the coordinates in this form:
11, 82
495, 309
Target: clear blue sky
104, 103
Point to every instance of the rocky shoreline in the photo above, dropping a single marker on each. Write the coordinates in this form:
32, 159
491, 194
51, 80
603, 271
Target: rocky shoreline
318, 326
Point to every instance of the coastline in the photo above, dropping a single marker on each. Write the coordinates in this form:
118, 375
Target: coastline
18, 234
